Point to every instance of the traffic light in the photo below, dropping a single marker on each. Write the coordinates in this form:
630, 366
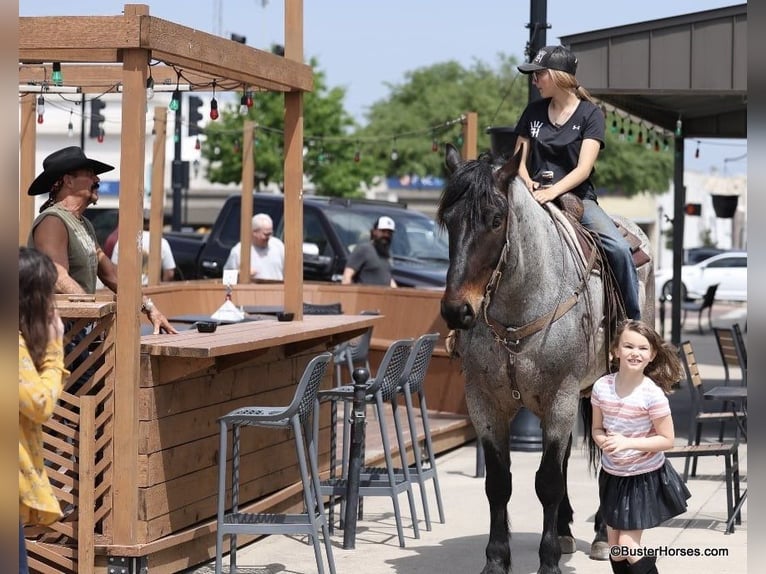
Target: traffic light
195, 102
96, 117
693, 209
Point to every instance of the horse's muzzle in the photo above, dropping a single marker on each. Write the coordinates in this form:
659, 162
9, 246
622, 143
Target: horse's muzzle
458, 314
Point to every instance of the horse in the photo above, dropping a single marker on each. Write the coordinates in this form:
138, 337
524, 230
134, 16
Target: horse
530, 322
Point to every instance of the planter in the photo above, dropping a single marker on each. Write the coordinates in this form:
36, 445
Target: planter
725, 206
502, 140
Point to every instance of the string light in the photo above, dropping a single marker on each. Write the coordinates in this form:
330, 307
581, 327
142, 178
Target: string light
434, 145
213, 109
249, 99
243, 108
40, 109
357, 154
630, 134
640, 139
100, 138
394, 153
149, 86
70, 126
57, 77
697, 151
614, 124
679, 127
197, 144
175, 101
622, 129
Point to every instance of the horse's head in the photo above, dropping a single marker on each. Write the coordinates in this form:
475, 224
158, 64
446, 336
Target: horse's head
474, 209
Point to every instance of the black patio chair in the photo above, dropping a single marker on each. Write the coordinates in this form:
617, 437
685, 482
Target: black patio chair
699, 306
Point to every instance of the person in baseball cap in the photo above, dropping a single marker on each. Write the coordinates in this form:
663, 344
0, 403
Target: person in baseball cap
370, 263
560, 136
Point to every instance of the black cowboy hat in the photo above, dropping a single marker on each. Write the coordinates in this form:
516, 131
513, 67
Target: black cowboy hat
62, 162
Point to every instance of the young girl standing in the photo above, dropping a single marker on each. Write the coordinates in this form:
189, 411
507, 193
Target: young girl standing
632, 425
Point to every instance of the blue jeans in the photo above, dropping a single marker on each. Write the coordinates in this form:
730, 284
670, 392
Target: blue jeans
23, 568
617, 252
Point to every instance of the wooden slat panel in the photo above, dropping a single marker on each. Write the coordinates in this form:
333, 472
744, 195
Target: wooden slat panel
86, 501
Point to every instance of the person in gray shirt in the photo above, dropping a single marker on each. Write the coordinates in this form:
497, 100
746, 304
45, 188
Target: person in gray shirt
370, 263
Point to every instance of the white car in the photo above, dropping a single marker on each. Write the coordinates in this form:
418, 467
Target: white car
728, 269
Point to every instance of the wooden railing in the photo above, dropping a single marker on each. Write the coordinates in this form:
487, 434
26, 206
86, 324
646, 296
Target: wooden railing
78, 441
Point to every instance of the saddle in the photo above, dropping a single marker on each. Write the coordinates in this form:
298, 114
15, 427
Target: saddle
572, 207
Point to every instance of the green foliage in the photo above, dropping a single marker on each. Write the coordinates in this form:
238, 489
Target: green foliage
628, 168
328, 163
430, 97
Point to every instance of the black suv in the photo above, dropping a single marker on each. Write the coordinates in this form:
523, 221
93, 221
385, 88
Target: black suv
332, 227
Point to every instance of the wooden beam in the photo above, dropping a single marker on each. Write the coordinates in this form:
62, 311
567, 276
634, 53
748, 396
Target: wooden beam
27, 165
470, 136
293, 167
38, 55
127, 346
246, 204
158, 194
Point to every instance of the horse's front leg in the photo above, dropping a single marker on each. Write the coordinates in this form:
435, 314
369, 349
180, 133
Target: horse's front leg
497, 487
565, 513
550, 484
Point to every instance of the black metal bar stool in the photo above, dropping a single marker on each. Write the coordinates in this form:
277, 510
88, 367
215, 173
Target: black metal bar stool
384, 383
298, 417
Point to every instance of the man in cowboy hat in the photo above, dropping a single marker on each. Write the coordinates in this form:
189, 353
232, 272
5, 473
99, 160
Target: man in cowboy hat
62, 232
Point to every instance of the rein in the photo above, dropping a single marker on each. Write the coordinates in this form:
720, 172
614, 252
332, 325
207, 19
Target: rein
510, 337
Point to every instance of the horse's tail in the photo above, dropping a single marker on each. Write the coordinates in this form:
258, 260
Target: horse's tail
586, 413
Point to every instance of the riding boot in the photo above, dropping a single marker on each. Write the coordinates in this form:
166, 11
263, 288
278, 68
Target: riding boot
647, 565
619, 566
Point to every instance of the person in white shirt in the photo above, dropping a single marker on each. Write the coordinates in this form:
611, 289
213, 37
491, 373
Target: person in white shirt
267, 253
167, 262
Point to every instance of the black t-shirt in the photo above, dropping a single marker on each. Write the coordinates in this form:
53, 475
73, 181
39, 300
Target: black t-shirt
371, 268
557, 149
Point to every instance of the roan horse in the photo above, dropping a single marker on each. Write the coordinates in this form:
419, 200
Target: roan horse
530, 325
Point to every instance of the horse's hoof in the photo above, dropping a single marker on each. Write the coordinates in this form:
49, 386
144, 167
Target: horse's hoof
599, 550
568, 544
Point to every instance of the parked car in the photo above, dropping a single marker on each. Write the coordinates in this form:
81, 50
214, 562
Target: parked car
728, 269
696, 254
332, 227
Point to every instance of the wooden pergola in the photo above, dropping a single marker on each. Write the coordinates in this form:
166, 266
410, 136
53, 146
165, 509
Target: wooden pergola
103, 50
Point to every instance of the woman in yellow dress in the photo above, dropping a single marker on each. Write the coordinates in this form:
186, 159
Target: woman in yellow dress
41, 380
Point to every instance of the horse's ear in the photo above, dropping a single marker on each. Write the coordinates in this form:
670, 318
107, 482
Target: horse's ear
508, 171
452, 158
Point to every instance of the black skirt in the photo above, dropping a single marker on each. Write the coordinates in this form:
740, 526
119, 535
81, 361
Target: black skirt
644, 500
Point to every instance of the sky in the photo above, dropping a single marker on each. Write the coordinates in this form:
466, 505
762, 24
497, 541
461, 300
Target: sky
367, 45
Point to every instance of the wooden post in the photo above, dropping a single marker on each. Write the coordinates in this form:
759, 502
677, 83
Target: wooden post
246, 210
158, 195
27, 166
134, 64
470, 136
86, 478
293, 214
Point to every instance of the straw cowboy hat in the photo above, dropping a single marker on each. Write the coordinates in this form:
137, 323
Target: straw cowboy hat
62, 162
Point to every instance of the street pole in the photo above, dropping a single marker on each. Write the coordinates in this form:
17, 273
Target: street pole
538, 25
176, 178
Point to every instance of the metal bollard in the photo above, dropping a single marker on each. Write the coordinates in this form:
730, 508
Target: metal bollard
356, 455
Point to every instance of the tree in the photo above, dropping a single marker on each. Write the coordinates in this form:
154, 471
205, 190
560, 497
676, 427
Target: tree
416, 111
434, 94
328, 158
628, 168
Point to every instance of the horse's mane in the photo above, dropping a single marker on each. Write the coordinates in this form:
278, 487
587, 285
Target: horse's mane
473, 183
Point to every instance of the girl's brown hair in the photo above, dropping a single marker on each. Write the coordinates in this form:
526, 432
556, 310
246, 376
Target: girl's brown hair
666, 369
566, 81
37, 280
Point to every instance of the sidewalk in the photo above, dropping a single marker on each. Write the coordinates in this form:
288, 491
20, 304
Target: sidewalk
458, 545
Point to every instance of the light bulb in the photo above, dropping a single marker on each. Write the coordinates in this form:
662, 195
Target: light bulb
57, 77
40, 118
197, 145
175, 101
40, 106
213, 109
394, 155
434, 145
249, 100
357, 156
100, 137
149, 88
243, 109
70, 129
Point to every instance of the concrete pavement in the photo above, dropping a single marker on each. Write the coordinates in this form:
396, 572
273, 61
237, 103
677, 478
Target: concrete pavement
458, 545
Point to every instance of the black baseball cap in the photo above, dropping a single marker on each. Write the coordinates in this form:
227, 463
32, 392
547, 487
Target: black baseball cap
551, 58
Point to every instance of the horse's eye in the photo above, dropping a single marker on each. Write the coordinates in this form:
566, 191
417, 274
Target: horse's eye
497, 222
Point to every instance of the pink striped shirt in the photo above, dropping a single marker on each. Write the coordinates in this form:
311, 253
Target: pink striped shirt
631, 416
